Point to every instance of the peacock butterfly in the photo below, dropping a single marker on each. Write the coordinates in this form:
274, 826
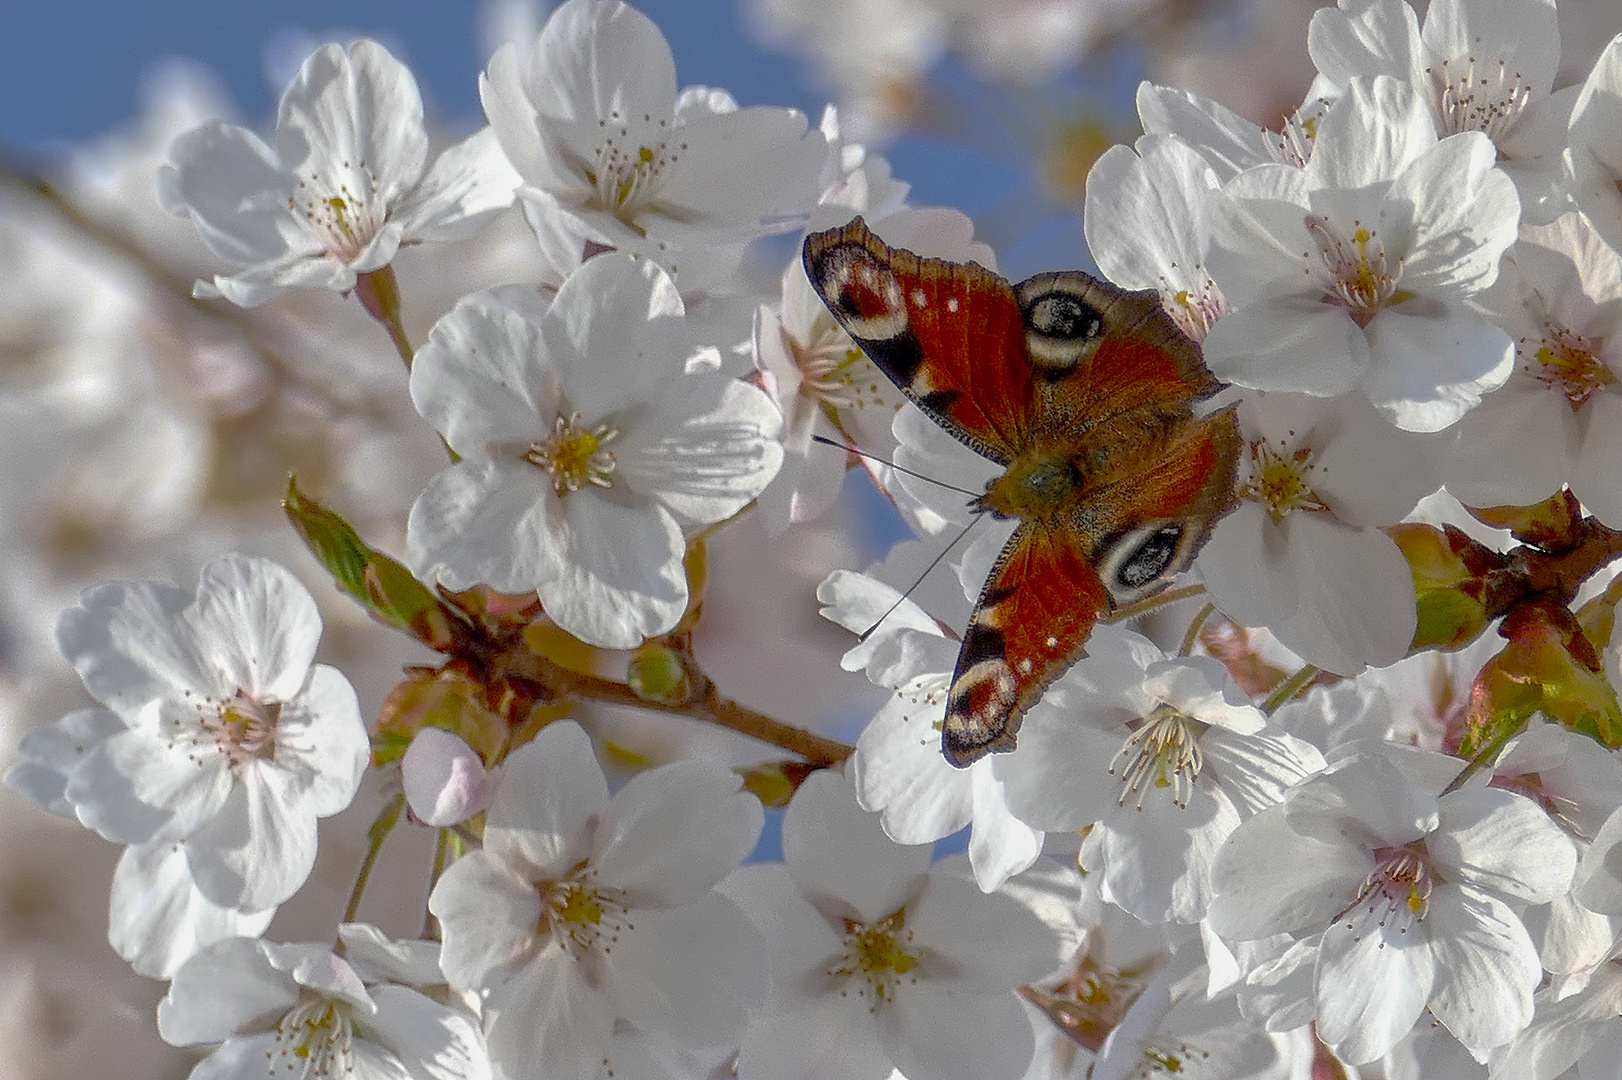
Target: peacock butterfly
1085, 394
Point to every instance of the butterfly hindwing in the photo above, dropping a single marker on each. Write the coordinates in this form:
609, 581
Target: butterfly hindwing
950, 335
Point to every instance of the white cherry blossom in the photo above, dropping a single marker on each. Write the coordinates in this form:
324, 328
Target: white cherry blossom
302, 1008
232, 743
612, 155
1401, 898
1354, 271
898, 769
1558, 420
587, 440
1482, 65
346, 185
582, 909
1162, 757
871, 942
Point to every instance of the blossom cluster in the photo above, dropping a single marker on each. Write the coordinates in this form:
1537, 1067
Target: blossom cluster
1351, 801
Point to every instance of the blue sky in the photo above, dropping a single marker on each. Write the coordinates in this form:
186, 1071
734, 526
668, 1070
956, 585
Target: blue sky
74, 68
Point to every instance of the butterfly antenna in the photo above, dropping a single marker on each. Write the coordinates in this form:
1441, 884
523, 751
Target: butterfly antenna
936, 561
898, 468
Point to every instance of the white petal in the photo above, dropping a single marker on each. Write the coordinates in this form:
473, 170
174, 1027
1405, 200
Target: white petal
258, 624
548, 1018
259, 849
438, 1042
1592, 479
223, 988
690, 973
46, 755
674, 831
826, 1038
1246, 567
133, 788
1486, 967
127, 642
485, 522
1505, 844
322, 742
1224, 138
932, 1040
469, 184
551, 790
839, 856
706, 449
1291, 343
973, 942
1373, 981
1465, 213
1375, 37
620, 577
158, 919
1370, 134
1270, 879
1356, 594
489, 915
235, 191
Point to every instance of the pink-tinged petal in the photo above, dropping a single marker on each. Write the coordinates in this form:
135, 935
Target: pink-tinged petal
126, 641
443, 778
259, 849
1502, 843
550, 790
484, 379
469, 184
620, 577
226, 986
549, 1018
158, 921
490, 916
1269, 879
690, 973
1593, 479
354, 119
441, 1042
1486, 966
827, 1037
707, 448
973, 942
1295, 344
839, 856
931, 1036
231, 185
1356, 592
483, 522
1374, 976
672, 832
258, 624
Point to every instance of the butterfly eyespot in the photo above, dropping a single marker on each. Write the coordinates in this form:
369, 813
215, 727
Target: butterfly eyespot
1139, 561
1061, 329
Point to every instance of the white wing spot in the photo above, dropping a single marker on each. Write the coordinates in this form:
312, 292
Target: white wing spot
1025, 666
951, 303
1051, 642
919, 299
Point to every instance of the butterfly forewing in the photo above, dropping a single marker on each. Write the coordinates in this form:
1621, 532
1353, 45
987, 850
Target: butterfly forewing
950, 335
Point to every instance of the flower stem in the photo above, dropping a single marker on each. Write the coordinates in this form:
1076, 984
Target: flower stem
1290, 687
379, 293
379, 831
1151, 603
1194, 628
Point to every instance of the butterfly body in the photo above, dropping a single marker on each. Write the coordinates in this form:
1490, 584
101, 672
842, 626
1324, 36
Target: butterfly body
1085, 394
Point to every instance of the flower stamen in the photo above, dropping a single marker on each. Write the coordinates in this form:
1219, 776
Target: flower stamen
575, 456
314, 1039
1402, 879
1478, 98
1279, 480
1570, 363
877, 954
243, 727
1162, 751
1353, 271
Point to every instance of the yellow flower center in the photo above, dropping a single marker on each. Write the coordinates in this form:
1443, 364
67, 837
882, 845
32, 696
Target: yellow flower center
575, 456
1280, 479
243, 728
628, 170
877, 957
1570, 363
582, 916
1353, 270
313, 1039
